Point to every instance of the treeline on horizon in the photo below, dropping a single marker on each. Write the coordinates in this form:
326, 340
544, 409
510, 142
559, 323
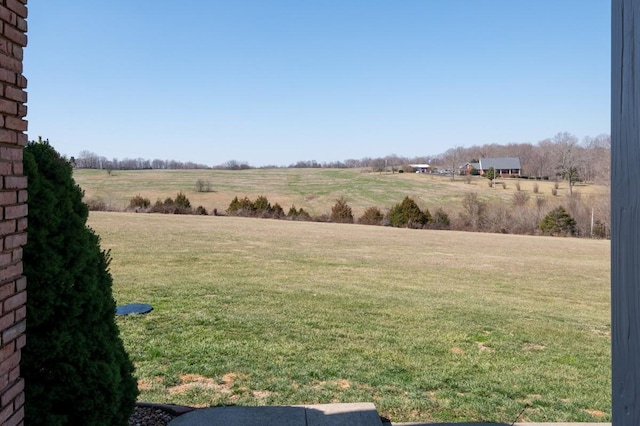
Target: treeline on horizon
590, 157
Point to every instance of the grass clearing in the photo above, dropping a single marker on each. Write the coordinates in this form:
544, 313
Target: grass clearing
428, 325
315, 190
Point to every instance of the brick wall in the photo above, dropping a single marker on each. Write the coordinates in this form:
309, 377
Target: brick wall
13, 208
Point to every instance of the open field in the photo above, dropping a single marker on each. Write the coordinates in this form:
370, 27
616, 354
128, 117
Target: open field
428, 325
315, 190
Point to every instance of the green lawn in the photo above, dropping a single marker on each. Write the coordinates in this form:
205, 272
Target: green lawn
428, 325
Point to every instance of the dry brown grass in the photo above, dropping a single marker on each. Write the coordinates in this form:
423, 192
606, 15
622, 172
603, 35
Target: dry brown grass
315, 190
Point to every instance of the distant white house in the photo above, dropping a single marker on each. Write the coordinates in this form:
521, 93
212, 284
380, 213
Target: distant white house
421, 168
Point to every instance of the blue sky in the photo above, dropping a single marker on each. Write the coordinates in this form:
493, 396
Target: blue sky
278, 81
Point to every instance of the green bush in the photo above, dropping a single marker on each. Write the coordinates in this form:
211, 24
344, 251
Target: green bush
293, 212
558, 222
241, 207
139, 202
298, 214
261, 205
491, 174
278, 211
182, 201
75, 366
341, 212
407, 214
371, 216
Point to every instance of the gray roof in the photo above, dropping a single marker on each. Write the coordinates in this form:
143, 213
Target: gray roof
500, 163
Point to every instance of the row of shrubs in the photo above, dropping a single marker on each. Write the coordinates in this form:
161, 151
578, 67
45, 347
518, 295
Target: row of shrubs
477, 215
179, 205
406, 214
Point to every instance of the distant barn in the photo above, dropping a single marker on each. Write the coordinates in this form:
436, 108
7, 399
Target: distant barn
421, 168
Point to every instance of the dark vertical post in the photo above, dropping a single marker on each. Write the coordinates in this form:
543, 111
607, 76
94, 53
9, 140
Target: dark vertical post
625, 212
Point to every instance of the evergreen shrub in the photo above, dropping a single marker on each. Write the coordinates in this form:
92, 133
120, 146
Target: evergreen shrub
407, 214
371, 216
558, 222
341, 212
75, 366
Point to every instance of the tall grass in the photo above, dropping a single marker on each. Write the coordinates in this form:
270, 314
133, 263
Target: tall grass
428, 325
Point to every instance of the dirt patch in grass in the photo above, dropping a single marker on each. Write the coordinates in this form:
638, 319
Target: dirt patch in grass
483, 348
144, 384
195, 381
261, 394
596, 413
533, 347
457, 350
343, 384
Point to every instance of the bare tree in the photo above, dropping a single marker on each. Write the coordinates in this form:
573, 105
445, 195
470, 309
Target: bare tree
452, 159
566, 151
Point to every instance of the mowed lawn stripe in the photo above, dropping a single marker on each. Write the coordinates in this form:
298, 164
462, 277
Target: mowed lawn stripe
428, 325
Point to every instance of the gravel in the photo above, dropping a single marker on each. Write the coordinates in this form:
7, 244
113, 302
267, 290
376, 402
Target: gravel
150, 416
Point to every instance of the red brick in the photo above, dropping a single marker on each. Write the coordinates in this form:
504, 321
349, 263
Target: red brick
21, 313
17, 419
5, 168
7, 76
7, 16
8, 107
22, 110
5, 259
18, 168
17, 7
21, 81
14, 241
10, 136
23, 194
5, 414
22, 24
6, 47
8, 197
10, 363
17, 52
22, 224
15, 182
10, 272
12, 333
19, 401
21, 341
11, 64
7, 290
14, 374
15, 123
6, 351
15, 94
14, 212
11, 153
7, 227
4, 377
10, 394
23, 139
21, 284
16, 255
15, 301
7, 321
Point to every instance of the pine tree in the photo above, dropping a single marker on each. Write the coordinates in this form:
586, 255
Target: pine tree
558, 221
75, 366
